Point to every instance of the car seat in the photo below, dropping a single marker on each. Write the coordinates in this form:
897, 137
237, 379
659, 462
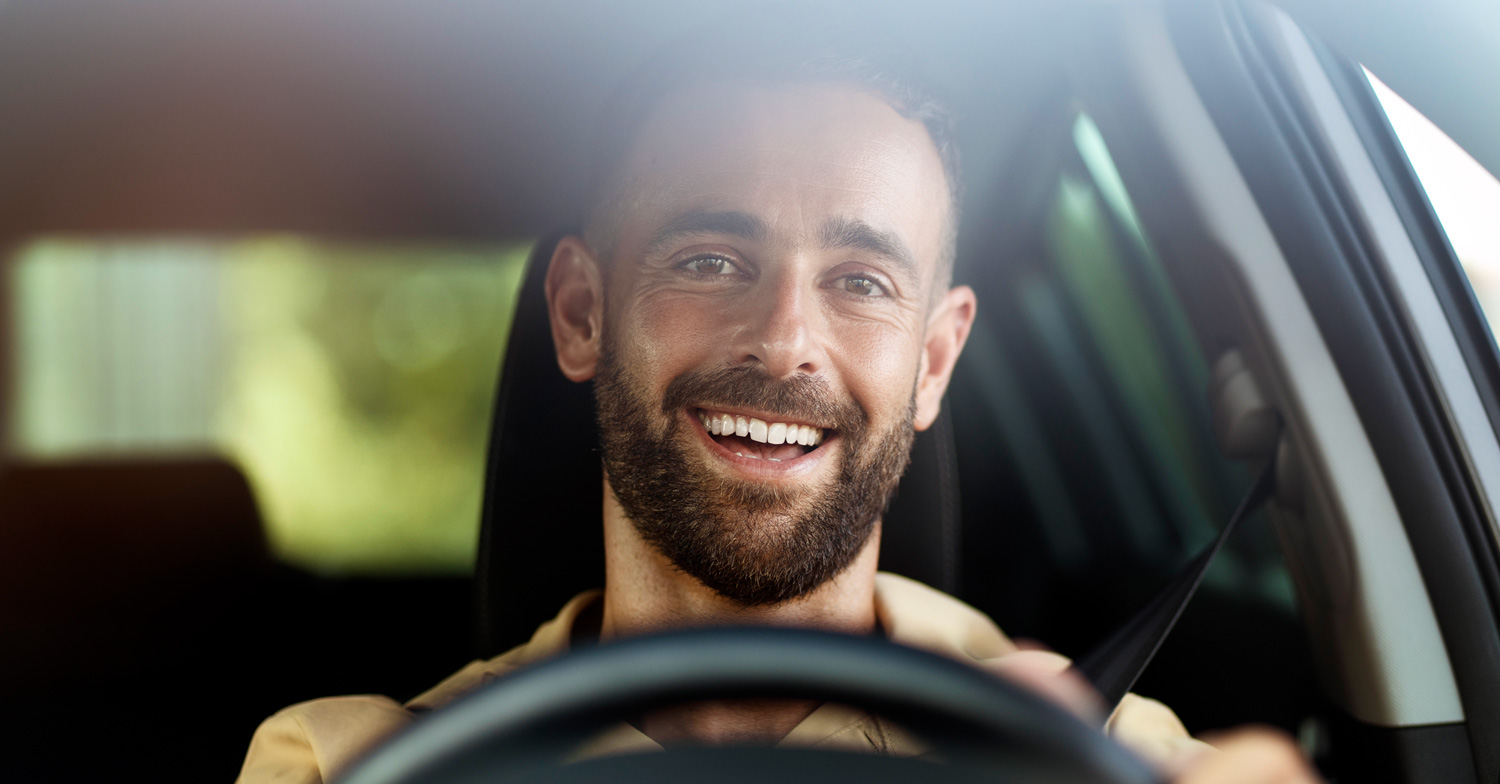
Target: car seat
107, 564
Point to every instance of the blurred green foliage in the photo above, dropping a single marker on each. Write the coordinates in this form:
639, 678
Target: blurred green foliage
352, 383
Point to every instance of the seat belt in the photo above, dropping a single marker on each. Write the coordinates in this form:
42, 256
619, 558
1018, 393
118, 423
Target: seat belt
1113, 665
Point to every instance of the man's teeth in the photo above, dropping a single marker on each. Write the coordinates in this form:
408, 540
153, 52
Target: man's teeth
759, 430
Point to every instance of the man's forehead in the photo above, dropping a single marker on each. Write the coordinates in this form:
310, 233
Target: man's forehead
795, 158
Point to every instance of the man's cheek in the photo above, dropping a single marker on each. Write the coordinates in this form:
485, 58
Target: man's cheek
673, 339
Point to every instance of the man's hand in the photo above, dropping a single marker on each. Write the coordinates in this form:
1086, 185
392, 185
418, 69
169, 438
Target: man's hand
1249, 755
1047, 674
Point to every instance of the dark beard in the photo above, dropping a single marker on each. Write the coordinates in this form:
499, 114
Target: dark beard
751, 543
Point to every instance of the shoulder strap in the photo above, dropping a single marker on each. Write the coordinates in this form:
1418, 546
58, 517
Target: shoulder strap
1113, 665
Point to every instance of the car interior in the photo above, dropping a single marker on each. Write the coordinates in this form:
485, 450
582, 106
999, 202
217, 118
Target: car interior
1197, 246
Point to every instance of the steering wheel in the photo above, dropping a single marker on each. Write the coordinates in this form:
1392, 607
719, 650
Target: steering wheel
521, 728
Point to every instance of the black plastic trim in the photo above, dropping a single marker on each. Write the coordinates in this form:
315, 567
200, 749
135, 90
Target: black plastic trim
1476, 338
1429, 754
1471, 330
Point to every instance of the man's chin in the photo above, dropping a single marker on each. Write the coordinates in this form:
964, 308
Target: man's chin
754, 531
761, 577
759, 545
763, 503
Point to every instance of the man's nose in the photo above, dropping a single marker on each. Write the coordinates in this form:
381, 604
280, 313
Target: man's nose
783, 330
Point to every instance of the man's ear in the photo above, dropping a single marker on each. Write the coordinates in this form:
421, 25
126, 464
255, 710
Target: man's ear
575, 305
947, 330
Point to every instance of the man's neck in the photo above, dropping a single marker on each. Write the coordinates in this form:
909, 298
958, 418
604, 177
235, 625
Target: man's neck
644, 592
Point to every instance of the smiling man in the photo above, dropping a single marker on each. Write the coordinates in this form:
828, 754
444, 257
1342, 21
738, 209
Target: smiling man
762, 299
779, 271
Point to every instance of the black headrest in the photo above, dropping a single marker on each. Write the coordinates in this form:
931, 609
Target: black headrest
97, 553
540, 540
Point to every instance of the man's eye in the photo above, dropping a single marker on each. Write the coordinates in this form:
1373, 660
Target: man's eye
863, 286
710, 265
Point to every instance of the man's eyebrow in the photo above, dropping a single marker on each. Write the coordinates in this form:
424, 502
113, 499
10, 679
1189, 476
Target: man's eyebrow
855, 233
734, 224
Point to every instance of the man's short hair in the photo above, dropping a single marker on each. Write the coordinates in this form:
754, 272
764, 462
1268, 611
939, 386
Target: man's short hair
796, 49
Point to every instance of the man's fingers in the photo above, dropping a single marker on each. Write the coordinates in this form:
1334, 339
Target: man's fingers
1028, 644
1251, 755
1047, 674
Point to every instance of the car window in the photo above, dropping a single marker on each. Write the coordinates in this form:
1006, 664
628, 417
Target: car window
351, 382
1110, 426
1465, 195
1090, 471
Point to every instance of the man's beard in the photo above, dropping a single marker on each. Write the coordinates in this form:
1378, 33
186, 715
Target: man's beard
750, 542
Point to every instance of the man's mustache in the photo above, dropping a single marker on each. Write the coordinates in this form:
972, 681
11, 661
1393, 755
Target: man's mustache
799, 398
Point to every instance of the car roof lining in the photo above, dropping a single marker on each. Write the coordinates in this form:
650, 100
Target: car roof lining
378, 119
459, 120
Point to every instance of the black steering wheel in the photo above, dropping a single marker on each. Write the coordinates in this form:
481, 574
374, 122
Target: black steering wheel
522, 727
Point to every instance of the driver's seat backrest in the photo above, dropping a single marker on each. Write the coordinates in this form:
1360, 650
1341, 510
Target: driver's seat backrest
540, 540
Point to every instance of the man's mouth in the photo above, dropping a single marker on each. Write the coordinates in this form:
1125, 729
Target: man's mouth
751, 437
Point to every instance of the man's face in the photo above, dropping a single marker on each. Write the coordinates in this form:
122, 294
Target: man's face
773, 263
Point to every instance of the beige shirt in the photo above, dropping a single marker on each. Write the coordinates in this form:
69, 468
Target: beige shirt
312, 742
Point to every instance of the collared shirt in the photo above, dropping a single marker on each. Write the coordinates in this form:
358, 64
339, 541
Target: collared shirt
314, 741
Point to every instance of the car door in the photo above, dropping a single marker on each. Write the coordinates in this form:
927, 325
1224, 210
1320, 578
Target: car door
1285, 208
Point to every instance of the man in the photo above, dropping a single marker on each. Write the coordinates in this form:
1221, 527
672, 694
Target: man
762, 299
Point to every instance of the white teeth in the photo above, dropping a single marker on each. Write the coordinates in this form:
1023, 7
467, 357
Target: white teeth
759, 430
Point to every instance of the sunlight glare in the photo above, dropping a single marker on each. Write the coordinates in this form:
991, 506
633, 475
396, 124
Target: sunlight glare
1465, 196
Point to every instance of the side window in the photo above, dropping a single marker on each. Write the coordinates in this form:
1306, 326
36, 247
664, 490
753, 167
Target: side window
1166, 477
1465, 195
351, 383
1090, 471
